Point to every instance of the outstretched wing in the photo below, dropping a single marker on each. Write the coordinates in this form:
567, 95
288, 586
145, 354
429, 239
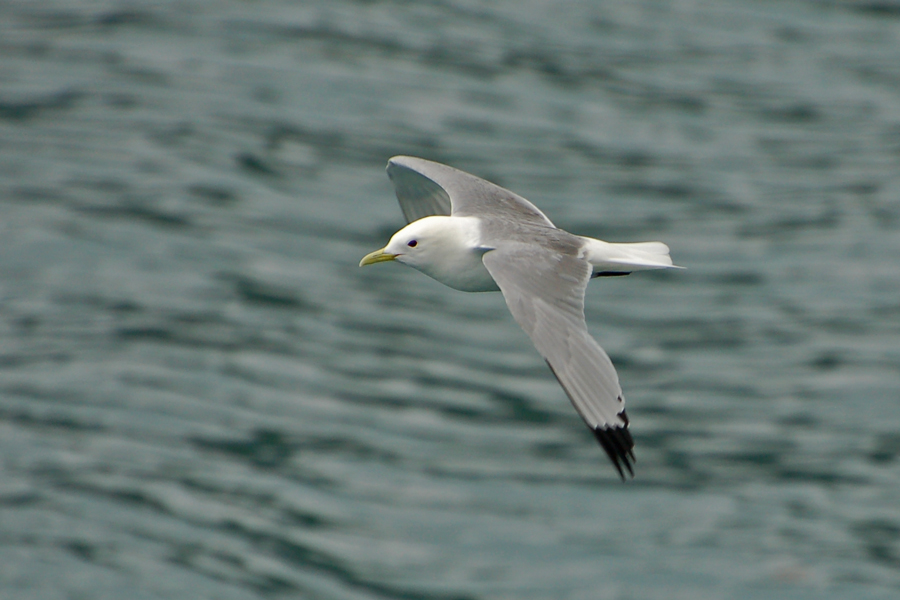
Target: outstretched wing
544, 291
425, 188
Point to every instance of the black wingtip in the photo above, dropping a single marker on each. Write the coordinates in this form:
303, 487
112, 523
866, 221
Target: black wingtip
618, 445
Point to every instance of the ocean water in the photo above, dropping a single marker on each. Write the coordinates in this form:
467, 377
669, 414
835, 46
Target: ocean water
203, 396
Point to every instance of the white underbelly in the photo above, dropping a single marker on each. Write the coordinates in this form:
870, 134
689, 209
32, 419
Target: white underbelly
468, 274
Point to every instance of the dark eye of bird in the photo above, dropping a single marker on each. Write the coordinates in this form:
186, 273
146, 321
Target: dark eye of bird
412, 243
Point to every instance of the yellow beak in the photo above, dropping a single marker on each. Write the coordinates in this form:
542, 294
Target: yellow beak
376, 257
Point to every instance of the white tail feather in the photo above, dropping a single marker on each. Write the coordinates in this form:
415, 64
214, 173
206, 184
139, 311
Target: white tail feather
617, 258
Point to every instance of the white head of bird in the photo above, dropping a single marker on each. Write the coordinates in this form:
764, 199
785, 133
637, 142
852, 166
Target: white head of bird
444, 248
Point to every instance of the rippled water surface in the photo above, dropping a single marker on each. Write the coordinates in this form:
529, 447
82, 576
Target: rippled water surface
202, 396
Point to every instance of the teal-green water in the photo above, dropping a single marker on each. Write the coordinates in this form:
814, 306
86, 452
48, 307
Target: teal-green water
202, 395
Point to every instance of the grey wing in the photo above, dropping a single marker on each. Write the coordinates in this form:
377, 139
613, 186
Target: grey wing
418, 195
544, 291
425, 188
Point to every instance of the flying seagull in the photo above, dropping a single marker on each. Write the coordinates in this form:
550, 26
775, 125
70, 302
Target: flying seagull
475, 236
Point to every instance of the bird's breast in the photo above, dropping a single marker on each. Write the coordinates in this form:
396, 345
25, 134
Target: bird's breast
463, 270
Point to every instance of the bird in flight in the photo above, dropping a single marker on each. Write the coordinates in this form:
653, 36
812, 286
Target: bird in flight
475, 236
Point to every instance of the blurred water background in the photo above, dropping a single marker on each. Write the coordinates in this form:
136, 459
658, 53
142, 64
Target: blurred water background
202, 395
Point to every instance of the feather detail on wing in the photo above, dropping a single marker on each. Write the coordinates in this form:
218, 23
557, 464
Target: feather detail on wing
544, 291
425, 188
